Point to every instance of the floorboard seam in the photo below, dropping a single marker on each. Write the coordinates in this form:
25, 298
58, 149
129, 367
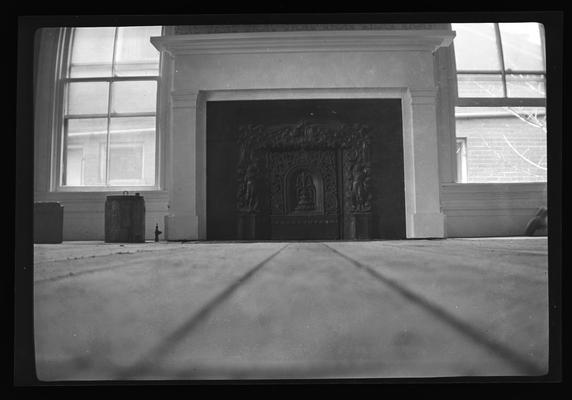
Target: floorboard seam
150, 359
126, 252
81, 273
509, 355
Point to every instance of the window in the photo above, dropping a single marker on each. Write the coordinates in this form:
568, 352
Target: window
109, 89
501, 105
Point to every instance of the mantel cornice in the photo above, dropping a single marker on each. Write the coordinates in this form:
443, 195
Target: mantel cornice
306, 41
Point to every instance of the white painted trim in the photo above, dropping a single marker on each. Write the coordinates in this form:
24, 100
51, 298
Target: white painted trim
163, 121
423, 95
46, 107
305, 41
301, 93
444, 67
409, 97
184, 98
97, 196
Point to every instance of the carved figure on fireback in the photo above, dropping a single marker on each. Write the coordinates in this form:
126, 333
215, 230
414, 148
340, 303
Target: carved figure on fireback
361, 183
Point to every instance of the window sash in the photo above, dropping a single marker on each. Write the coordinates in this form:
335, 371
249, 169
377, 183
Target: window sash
63, 118
503, 71
501, 102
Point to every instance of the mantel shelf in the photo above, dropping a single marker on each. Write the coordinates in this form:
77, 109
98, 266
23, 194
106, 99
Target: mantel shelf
307, 41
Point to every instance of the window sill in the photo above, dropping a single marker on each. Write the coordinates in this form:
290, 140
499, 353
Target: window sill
103, 189
155, 198
495, 186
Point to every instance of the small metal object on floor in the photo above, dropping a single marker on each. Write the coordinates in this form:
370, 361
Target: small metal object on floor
157, 232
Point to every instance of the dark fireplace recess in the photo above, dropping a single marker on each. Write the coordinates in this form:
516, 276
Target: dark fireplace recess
305, 170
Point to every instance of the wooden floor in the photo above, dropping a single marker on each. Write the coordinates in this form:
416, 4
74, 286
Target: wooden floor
371, 309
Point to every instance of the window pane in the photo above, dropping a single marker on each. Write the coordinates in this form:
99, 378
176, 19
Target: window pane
135, 53
92, 52
88, 137
132, 155
503, 144
87, 98
476, 47
522, 47
134, 96
126, 162
74, 166
479, 85
525, 86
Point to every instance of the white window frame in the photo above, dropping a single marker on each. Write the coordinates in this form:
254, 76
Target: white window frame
503, 101
58, 139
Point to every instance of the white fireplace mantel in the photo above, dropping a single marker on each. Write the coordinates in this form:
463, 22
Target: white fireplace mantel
301, 65
304, 41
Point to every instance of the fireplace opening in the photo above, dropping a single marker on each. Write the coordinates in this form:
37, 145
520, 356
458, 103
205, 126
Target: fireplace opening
305, 170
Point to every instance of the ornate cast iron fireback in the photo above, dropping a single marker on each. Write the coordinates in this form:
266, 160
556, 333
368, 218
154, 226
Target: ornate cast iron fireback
258, 143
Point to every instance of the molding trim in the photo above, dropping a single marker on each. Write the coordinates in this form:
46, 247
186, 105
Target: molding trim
184, 98
427, 40
423, 96
304, 93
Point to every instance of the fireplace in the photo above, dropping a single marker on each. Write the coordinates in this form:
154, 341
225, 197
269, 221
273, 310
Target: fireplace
210, 70
305, 170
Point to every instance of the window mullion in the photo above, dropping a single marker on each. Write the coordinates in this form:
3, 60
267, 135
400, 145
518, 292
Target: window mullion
115, 78
64, 65
542, 34
500, 102
69, 47
85, 116
64, 154
478, 72
133, 114
109, 100
501, 57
